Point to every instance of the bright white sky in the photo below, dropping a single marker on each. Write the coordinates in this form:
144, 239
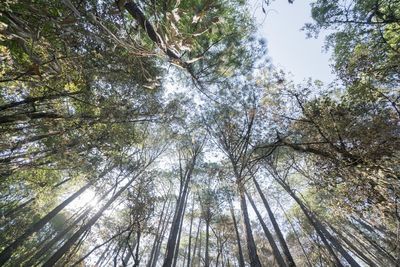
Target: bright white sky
287, 44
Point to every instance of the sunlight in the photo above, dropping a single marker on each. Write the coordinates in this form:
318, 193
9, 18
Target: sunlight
87, 198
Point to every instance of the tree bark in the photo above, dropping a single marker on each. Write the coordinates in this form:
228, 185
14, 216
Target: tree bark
161, 237
240, 251
175, 224
282, 241
321, 230
296, 234
6, 254
251, 245
153, 248
351, 245
58, 237
275, 250
67, 245
195, 243
180, 232
190, 236
207, 253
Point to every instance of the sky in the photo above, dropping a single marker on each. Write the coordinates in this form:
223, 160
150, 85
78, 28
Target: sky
288, 46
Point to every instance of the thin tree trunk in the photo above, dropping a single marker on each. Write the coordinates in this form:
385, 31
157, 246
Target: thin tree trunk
162, 235
103, 254
30, 100
18, 208
321, 230
275, 250
179, 233
240, 251
175, 224
138, 236
57, 238
195, 244
67, 245
99, 246
190, 235
296, 234
377, 246
251, 246
6, 254
282, 241
358, 252
199, 252
153, 248
207, 256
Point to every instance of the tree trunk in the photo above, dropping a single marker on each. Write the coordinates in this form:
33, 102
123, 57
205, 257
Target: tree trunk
207, 255
175, 224
351, 245
161, 237
296, 234
103, 254
46, 248
195, 244
282, 241
240, 251
180, 232
138, 236
199, 252
190, 236
30, 100
6, 254
153, 248
67, 245
251, 246
321, 230
275, 250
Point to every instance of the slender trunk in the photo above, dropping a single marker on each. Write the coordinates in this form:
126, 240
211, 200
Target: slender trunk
354, 248
103, 254
296, 234
162, 235
46, 248
128, 255
99, 246
6, 254
321, 230
175, 224
376, 254
251, 246
138, 235
207, 256
240, 251
275, 250
199, 252
179, 233
67, 245
219, 248
195, 244
190, 235
377, 246
286, 251
108, 256
153, 248
18, 208
30, 100
318, 229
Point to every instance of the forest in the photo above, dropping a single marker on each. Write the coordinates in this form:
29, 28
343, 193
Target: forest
159, 133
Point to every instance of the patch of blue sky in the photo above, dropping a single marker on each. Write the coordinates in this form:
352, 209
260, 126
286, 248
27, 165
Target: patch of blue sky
288, 47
